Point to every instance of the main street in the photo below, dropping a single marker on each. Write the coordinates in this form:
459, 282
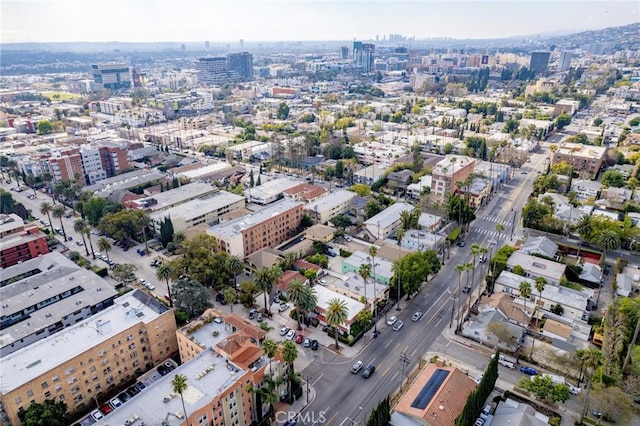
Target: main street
343, 398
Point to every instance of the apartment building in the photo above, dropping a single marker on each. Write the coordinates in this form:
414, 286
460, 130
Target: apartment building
305, 192
19, 242
43, 296
585, 159
383, 154
535, 266
172, 198
196, 212
448, 172
385, 223
112, 76
265, 228
65, 164
369, 175
326, 208
83, 362
585, 188
270, 191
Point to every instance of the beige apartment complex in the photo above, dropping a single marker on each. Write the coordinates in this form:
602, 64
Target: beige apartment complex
448, 172
85, 362
585, 159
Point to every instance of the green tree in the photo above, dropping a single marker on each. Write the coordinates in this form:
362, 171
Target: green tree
563, 120
413, 269
592, 359
202, 261
58, 213
283, 111
164, 273
104, 245
519, 270
124, 273
361, 190
44, 127
235, 266
270, 349
166, 231
612, 178
304, 299
266, 278
46, 208
289, 355
615, 336
190, 296
542, 387
607, 240
80, 226
48, 413
336, 315
614, 404
230, 296
525, 292
179, 385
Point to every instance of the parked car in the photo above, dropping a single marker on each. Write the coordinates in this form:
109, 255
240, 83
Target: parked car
115, 402
299, 338
368, 371
290, 335
322, 282
307, 342
259, 318
106, 409
284, 331
466, 289
314, 345
392, 320
283, 307
124, 396
528, 370
97, 415
416, 316
357, 367
252, 313
397, 326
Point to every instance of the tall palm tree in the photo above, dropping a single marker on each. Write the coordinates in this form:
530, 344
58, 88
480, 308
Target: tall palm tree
365, 272
483, 252
79, 226
265, 279
475, 252
270, 349
47, 208
583, 228
525, 292
179, 385
230, 296
289, 355
593, 360
373, 250
607, 240
309, 301
296, 294
164, 273
104, 245
336, 315
87, 231
460, 268
235, 266
58, 213
540, 283
399, 237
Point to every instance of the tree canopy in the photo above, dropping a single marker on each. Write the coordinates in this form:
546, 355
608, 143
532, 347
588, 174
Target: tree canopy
414, 268
49, 413
190, 296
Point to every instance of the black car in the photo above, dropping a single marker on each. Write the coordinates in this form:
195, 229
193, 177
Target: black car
220, 299
140, 385
133, 390
466, 289
124, 396
461, 243
314, 345
368, 371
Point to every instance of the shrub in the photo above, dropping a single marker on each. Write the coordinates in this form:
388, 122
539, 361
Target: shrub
345, 253
74, 256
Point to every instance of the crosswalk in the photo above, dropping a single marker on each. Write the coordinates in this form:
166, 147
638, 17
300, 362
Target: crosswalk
496, 220
484, 231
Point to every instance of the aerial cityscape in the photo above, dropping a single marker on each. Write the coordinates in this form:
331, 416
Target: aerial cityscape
319, 213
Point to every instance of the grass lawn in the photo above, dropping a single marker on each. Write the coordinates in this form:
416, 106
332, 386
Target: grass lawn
63, 96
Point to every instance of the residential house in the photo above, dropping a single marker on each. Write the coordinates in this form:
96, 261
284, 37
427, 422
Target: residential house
369, 175
540, 245
305, 192
415, 190
617, 195
515, 413
325, 295
537, 267
383, 269
585, 189
399, 181
385, 223
478, 328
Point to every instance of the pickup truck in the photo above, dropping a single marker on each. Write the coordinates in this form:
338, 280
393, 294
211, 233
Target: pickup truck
507, 362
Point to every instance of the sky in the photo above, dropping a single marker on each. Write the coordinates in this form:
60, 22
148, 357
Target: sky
299, 20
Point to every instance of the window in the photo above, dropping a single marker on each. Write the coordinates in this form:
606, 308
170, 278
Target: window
18, 400
47, 394
93, 368
29, 393
58, 388
107, 370
69, 371
55, 379
44, 385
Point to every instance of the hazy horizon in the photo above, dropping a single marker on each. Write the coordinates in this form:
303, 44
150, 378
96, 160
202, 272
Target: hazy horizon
217, 21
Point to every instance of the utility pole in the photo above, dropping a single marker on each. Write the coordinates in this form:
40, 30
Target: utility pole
307, 379
513, 224
404, 359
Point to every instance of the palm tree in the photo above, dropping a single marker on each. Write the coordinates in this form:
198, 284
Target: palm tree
336, 315
475, 252
525, 292
460, 268
399, 237
179, 385
289, 355
584, 228
58, 213
270, 349
365, 272
500, 228
235, 265
541, 282
164, 273
104, 245
230, 296
373, 250
265, 279
79, 225
592, 359
296, 294
46, 208
607, 240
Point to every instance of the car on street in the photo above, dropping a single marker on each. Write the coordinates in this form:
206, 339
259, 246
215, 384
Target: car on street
392, 320
461, 243
416, 316
397, 326
284, 331
314, 345
290, 335
493, 241
528, 370
368, 371
482, 258
299, 338
218, 320
80, 243
143, 281
466, 289
357, 367
283, 307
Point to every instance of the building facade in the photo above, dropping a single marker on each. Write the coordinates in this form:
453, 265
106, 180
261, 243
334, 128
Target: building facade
112, 76
448, 172
241, 63
587, 160
19, 242
539, 61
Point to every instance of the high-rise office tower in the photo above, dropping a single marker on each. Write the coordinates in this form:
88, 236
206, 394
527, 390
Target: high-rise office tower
241, 63
564, 63
212, 71
364, 55
112, 76
344, 52
539, 61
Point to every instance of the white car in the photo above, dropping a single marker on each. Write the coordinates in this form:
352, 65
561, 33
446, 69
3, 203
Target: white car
397, 326
115, 403
322, 282
143, 282
392, 320
97, 415
291, 334
416, 316
284, 331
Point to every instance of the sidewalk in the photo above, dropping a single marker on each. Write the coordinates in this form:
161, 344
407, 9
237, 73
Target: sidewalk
286, 412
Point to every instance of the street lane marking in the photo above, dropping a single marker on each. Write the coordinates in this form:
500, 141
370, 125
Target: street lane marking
316, 380
386, 371
330, 420
388, 343
327, 409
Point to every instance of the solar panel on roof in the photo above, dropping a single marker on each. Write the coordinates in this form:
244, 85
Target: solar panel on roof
430, 388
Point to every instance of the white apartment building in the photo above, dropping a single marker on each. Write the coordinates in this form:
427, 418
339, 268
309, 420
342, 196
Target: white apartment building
415, 190
379, 153
270, 191
369, 175
385, 223
93, 169
331, 205
585, 188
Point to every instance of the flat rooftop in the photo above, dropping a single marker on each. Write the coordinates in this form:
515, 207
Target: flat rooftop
40, 357
389, 215
198, 207
46, 277
383, 266
206, 170
207, 376
124, 181
537, 265
179, 195
9, 222
330, 200
325, 295
234, 227
271, 188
